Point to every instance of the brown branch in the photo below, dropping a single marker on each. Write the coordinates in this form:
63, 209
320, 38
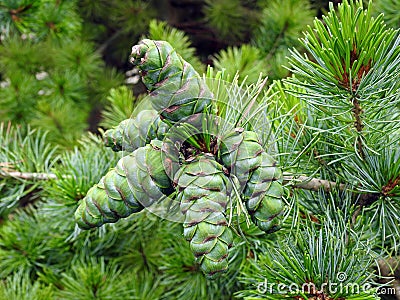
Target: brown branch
275, 45
311, 184
301, 182
358, 124
28, 176
108, 42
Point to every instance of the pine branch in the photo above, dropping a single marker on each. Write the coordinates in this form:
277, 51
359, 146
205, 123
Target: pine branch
108, 42
303, 182
358, 124
277, 41
311, 184
27, 175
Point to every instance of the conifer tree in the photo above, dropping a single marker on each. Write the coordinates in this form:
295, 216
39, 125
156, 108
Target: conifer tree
317, 153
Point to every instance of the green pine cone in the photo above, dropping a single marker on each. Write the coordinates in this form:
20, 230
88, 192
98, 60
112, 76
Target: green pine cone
204, 191
137, 181
263, 195
176, 89
240, 151
259, 177
133, 133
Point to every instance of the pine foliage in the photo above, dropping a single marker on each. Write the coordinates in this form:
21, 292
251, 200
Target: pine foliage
332, 125
351, 95
390, 10
19, 286
282, 23
228, 18
119, 107
40, 19
51, 76
245, 60
22, 150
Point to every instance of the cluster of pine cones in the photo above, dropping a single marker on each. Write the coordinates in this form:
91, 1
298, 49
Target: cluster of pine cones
200, 176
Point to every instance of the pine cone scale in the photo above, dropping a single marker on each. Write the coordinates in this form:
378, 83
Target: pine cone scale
176, 89
259, 178
204, 193
126, 189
